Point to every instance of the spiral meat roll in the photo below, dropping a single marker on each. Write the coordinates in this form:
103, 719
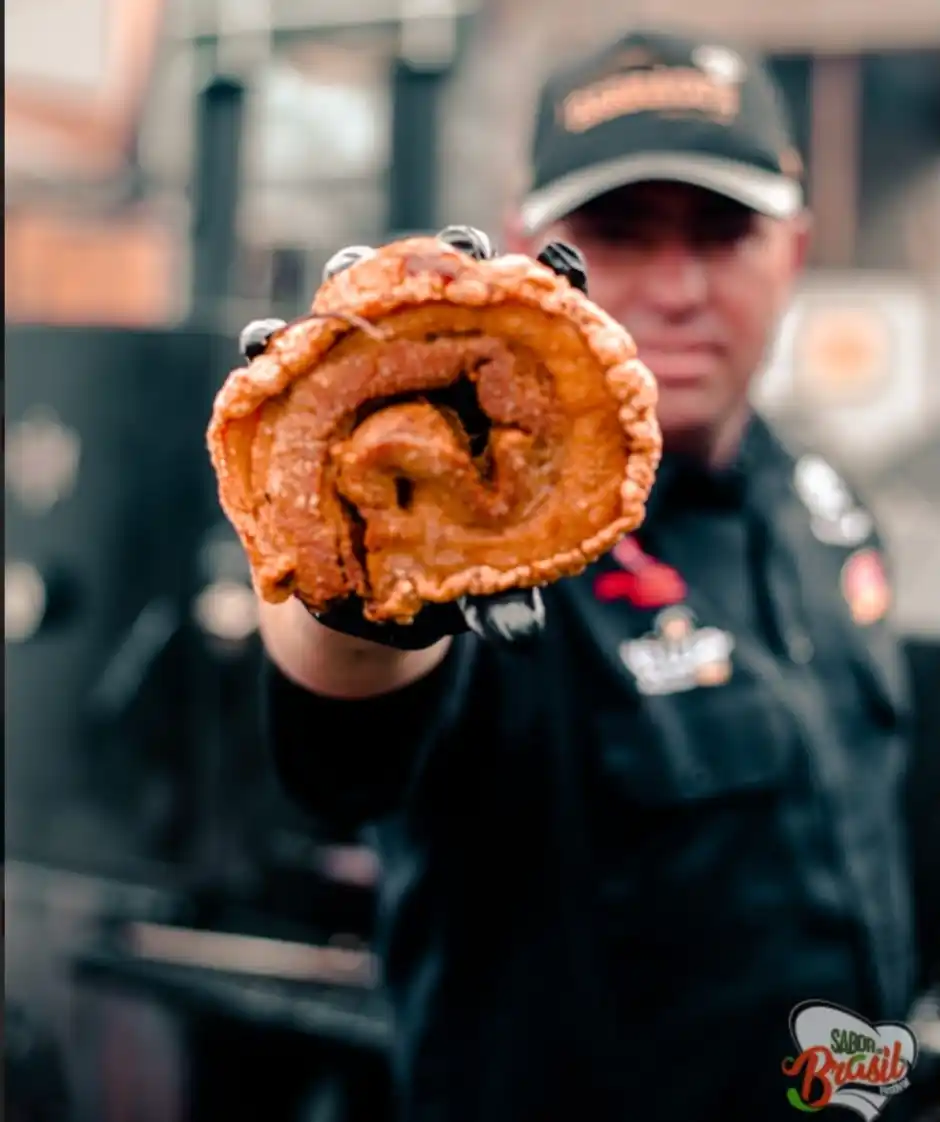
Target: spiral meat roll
446, 422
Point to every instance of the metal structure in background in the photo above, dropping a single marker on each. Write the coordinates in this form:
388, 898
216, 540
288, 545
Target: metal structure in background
275, 194
413, 174
107, 495
427, 52
106, 498
220, 116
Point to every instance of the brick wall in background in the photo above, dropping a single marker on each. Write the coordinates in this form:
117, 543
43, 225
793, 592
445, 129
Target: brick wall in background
77, 74
120, 271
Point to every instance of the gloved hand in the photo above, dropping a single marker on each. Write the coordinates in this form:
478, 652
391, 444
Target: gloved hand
517, 616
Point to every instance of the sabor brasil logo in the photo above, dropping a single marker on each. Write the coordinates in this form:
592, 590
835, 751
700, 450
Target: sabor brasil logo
844, 1060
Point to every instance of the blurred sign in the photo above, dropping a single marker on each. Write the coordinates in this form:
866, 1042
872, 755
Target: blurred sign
851, 359
842, 354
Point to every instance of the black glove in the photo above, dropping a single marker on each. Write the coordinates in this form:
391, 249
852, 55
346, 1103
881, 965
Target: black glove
517, 616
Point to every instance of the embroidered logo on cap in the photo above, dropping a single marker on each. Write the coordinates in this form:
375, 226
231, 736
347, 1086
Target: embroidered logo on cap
677, 655
664, 89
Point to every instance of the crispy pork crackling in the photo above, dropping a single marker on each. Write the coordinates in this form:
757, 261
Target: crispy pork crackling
440, 427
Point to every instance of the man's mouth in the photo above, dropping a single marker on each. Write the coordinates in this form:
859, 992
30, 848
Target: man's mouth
673, 365
668, 345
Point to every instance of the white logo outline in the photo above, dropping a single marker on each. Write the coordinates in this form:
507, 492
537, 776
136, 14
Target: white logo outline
836, 518
663, 665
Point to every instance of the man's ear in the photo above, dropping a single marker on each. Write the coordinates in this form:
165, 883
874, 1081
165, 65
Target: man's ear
802, 227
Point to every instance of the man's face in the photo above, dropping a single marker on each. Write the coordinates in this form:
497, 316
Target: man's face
700, 283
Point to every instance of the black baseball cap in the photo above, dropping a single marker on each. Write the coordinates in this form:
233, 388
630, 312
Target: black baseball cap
660, 106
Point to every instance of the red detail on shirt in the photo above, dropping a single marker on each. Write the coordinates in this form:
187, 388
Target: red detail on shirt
644, 582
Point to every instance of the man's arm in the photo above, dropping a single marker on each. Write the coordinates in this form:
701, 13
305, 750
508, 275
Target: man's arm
334, 665
346, 719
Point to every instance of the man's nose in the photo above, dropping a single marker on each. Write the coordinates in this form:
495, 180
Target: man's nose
676, 278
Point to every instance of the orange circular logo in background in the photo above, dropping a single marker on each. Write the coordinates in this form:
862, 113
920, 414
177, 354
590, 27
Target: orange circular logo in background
843, 355
865, 587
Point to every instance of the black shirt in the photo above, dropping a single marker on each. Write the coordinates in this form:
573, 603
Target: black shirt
613, 865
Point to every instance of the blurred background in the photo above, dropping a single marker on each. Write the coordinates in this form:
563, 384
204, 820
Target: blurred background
175, 168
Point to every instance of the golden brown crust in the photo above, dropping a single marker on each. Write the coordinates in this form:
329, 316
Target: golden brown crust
308, 478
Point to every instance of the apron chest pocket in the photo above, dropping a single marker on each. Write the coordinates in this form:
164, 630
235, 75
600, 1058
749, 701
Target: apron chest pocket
707, 743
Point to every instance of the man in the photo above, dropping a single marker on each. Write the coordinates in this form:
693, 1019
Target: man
614, 860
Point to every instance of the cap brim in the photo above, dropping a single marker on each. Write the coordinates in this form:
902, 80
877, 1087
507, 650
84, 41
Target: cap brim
763, 191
